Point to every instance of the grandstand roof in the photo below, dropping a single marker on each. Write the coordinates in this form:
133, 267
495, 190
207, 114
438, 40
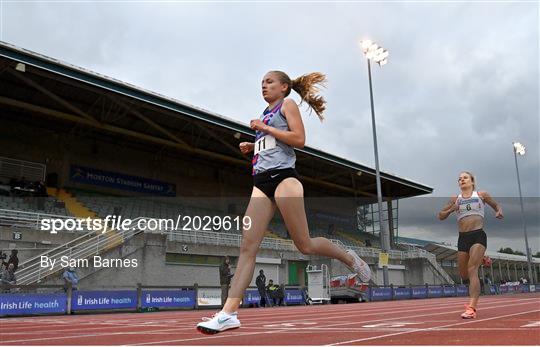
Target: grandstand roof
50, 89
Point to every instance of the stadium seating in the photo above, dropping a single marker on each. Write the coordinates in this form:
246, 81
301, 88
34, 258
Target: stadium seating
30, 205
128, 207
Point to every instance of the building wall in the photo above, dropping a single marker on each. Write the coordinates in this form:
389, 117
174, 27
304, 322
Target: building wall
149, 250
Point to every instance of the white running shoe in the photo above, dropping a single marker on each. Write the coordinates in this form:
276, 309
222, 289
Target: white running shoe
360, 267
219, 322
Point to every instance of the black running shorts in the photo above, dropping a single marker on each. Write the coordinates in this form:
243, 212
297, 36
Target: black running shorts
269, 180
467, 239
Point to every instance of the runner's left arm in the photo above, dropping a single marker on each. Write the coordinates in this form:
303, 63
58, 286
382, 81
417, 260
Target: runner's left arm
494, 204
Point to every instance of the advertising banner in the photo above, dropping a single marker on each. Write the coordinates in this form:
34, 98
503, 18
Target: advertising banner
294, 297
102, 300
462, 290
381, 294
209, 297
449, 291
251, 297
419, 292
117, 180
435, 292
25, 304
168, 298
402, 293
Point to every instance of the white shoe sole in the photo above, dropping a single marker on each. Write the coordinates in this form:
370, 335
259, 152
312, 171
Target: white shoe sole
209, 331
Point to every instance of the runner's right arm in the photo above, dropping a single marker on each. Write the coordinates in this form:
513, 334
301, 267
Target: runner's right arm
246, 147
448, 209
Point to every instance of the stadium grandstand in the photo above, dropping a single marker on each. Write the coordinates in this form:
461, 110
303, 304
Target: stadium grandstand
104, 147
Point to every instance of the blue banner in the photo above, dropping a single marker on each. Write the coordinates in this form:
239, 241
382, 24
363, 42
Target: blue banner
381, 294
251, 297
419, 292
168, 298
525, 288
462, 290
100, 300
435, 292
504, 288
116, 180
24, 304
449, 291
402, 293
294, 297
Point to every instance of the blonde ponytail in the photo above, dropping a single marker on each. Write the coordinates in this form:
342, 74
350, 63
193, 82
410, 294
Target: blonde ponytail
307, 86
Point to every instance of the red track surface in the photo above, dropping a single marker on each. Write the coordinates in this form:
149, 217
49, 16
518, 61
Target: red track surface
502, 320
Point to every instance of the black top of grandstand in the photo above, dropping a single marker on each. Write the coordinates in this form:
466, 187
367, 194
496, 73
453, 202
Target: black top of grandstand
43, 88
412, 241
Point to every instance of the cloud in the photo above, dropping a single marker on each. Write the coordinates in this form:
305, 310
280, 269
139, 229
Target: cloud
460, 86
418, 219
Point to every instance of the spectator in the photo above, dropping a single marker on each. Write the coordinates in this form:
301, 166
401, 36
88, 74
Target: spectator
3, 257
260, 282
280, 295
13, 259
41, 195
8, 277
368, 243
225, 278
272, 289
70, 276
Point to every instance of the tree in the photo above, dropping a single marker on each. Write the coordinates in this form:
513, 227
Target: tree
506, 250
509, 250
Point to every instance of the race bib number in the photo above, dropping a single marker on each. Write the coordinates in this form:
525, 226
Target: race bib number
265, 143
469, 205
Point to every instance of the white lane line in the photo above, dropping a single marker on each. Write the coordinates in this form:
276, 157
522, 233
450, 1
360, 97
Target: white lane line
134, 316
515, 302
428, 314
137, 317
532, 325
432, 328
394, 317
250, 321
209, 337
286, 330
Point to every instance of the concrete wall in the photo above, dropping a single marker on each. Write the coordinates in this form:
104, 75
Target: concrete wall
33, 242
149, 250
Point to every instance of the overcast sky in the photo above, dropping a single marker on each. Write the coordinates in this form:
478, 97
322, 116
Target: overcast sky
461, 85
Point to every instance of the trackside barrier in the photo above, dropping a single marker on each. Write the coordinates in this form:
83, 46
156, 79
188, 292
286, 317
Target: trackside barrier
15, 301
210, 296
66, 301
439, 291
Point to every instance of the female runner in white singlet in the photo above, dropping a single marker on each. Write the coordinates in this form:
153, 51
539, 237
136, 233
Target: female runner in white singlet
472, 240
